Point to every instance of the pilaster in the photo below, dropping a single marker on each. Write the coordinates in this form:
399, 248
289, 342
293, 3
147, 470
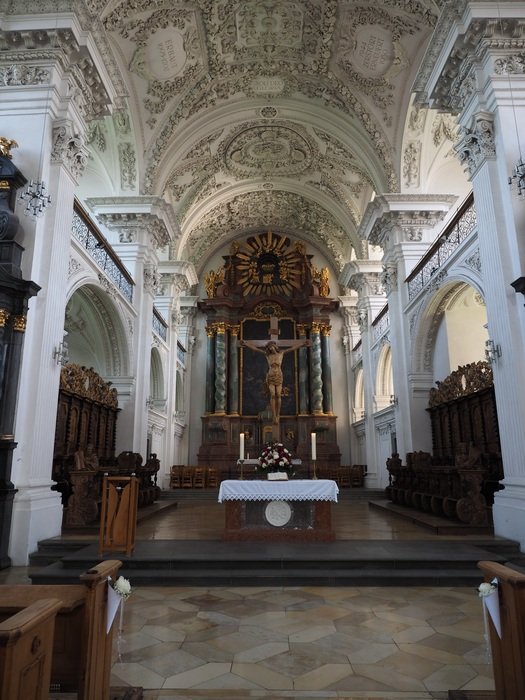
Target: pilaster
404, 226
364, 276
142, 226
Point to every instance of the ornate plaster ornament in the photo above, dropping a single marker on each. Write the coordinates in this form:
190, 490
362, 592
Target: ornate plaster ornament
411, 163
68, 149
269, 148
474, 261
127, 163
151, 279
389, 278
276, 210
20, 74
96, 134
477, 143
73, 267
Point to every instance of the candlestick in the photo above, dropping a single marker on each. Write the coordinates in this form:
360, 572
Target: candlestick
314, 447
241, 446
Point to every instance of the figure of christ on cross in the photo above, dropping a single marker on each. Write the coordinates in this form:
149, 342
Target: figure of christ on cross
274, 352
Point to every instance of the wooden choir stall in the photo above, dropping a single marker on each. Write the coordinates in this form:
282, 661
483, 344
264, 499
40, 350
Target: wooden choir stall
459, 479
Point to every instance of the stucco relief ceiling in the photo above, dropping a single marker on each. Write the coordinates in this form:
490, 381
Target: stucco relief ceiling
255, 113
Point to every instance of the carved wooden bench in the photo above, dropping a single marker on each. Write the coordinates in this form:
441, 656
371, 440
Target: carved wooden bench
26, 649
81, 648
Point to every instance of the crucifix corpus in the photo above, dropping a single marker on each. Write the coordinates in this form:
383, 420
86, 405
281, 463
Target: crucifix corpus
274, 350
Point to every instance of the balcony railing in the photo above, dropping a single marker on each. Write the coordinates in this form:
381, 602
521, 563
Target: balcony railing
160, 327
460, 228
101, 252
380, 324
181, 354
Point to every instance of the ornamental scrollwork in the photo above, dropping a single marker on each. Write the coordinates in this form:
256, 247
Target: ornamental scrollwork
85, 382
476, 144
68, 149
466, 380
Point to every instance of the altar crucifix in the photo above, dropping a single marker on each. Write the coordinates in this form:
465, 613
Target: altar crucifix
274, 350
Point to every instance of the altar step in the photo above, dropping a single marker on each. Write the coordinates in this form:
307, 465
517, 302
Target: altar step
345, 563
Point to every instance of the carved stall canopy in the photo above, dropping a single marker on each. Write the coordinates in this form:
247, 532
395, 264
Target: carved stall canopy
464, 381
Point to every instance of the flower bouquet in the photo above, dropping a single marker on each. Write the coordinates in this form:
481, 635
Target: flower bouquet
276, 460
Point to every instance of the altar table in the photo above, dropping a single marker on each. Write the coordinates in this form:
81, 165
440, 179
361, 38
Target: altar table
295, 510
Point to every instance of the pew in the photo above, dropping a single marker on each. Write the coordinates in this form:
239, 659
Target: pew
81, 649
26, 648
508, 653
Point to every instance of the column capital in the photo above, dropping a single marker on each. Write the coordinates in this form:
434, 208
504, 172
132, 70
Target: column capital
68, 148
149, 220
389, 278
476, 143
400, 218
364, 276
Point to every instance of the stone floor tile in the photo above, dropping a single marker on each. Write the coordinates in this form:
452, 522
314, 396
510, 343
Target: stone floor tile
412, 634
388, 677
193, 677
449, 677
322, 677
262, 676
135, 674
261, 652
311, 634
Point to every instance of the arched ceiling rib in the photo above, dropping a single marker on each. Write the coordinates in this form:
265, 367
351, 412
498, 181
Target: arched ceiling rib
260, 113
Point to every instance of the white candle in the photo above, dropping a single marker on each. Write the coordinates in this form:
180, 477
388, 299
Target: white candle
241, 446
314, 447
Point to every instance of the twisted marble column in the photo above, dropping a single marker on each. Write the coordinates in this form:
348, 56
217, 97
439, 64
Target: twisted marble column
316, 371
210, 369
220, 368
233, 388
326, 370
304, 403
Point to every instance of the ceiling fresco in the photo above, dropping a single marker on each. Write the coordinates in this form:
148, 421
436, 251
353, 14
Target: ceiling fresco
258, 113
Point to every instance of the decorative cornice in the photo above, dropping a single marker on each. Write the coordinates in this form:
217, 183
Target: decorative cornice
132, 216
467, 38
398, 218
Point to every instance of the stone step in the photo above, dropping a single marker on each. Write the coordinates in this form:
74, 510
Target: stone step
355, 562
227, 577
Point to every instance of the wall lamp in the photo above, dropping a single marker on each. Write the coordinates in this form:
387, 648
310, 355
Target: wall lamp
519, 286
492, 351
61, 353
393, 400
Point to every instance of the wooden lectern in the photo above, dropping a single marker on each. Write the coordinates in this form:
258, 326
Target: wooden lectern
508, 653
118, 520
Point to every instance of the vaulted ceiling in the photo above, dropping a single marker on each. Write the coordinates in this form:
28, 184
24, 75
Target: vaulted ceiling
251, 114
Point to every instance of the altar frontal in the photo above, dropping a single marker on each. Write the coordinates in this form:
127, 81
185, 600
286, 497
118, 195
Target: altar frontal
279, 511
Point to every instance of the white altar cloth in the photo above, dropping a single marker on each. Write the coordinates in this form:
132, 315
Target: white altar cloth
293, 490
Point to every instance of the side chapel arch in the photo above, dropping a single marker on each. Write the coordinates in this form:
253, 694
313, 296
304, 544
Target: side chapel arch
96, 333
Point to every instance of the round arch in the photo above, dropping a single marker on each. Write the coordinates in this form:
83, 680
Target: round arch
96, 334
156, 388
384, 374
429, 322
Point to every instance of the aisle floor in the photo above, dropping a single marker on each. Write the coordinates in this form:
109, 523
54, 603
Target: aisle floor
306, 643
